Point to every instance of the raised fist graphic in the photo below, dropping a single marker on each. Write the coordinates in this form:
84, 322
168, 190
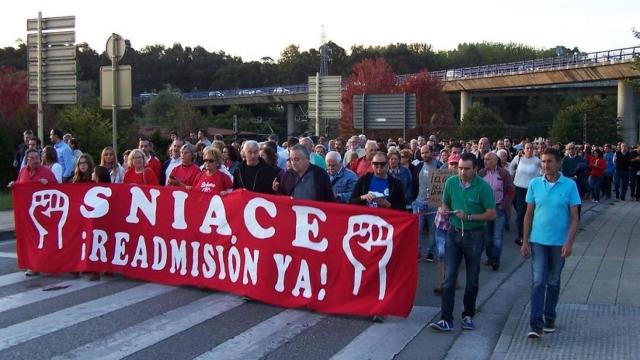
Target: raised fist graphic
368, 231
46, 202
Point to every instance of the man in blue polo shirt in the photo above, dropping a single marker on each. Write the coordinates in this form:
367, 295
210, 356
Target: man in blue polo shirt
550, 226
65, 155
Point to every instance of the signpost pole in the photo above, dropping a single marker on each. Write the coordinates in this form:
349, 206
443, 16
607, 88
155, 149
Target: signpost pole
317, 104
40, 109
114, 101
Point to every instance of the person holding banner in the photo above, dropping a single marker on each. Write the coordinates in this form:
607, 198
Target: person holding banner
211, 180
33, 172
254, 174
304, 180
137, 171
471, 202
378, 189
185, 174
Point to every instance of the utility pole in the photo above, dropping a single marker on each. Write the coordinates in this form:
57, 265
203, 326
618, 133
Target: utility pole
584, 129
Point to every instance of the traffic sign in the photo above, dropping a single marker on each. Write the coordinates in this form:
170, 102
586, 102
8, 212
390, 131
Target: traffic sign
327, 95
61, 22
124, 93
53, 53
54, 97
54, 67
115, 47
53, 82
52, 38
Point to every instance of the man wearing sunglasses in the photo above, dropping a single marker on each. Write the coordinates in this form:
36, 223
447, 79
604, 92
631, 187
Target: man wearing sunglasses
377, 188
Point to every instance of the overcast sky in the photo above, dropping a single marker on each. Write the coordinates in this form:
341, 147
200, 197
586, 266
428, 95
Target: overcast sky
253, 29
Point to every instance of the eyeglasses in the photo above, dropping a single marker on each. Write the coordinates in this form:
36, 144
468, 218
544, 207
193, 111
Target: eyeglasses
209, 160
379, 164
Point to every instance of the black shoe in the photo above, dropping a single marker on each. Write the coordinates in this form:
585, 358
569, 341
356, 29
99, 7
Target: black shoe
495, 265
549, 326
30, 272
534, 334
429, 257
378, 319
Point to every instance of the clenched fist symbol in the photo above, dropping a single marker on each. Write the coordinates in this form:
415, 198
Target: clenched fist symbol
46, 202
368, 231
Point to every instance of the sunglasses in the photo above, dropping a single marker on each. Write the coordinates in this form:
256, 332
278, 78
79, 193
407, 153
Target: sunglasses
209, 160
380, 164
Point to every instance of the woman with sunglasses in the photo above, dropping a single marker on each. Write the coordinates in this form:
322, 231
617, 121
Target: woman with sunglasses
212, 180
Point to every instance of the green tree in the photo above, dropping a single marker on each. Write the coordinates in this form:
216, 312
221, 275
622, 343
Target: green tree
480, 121
88, 124
601, 125
171, 110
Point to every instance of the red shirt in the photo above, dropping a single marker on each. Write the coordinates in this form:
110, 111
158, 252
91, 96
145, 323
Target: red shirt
156, 166
362, 166
212, 184
186, 174
597, 165
41, 172
132, 177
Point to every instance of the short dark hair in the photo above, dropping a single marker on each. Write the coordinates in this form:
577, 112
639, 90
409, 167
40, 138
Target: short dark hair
58, 133
551, 151
469, 157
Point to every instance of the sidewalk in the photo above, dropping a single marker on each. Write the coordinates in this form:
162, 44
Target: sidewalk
7, 225
599, 303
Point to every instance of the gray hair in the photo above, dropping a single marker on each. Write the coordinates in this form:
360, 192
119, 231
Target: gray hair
189, 147
302, 149
333, 155
250, 144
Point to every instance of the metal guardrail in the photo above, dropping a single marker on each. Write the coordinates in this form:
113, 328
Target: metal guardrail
518, 67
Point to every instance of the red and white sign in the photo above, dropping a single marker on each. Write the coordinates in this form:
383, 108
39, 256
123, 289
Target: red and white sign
332, 258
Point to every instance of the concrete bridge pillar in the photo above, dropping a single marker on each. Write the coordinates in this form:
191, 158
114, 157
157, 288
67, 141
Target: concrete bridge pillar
627, 113
465, 103
291, 116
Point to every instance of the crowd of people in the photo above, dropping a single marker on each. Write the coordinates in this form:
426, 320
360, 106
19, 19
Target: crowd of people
492, 180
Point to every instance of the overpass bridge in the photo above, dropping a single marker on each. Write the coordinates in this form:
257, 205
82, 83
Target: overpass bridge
594, 71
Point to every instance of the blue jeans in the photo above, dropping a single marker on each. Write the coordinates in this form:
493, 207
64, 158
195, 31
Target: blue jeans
595, 183
429, 220
546, 267
494, 235
621, 183
521, 208
458, 246
441, 240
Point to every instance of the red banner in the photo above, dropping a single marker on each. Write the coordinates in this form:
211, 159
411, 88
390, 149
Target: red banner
332, 258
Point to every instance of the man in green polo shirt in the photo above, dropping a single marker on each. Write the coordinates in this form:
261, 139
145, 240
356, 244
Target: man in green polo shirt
470, 199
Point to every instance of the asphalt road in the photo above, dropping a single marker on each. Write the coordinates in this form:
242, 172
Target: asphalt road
60, 317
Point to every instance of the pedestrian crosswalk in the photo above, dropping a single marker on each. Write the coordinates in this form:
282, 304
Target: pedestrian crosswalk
114, 318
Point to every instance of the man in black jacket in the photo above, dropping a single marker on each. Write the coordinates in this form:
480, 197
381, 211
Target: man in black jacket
622, 161
304, 180
377, 189
254, 174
